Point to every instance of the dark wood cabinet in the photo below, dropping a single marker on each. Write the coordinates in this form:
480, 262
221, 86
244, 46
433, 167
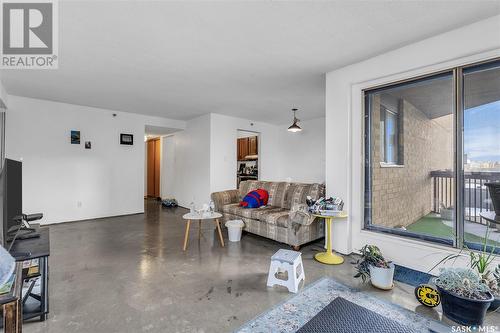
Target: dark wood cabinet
252, 145
247, 146
242, 148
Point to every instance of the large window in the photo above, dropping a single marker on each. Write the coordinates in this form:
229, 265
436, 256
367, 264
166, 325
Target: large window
430, 145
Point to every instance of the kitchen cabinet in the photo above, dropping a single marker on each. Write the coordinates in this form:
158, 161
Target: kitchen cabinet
247, 146
252, 145
242, 148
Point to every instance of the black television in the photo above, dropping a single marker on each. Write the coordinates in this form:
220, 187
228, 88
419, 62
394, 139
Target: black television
11, 201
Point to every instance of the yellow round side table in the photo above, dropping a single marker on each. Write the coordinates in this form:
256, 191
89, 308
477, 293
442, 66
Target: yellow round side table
329, 257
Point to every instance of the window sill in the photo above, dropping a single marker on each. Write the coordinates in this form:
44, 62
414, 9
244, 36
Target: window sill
389, 165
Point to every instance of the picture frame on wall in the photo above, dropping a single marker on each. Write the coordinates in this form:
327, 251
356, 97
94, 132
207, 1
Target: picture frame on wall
126, 139
75, 137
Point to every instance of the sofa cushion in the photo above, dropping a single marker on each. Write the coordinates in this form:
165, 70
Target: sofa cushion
278, 217
277, 191
257, 213
236, 209
297, 193
274, 215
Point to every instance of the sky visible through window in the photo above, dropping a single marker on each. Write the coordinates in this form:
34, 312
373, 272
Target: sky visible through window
482, 133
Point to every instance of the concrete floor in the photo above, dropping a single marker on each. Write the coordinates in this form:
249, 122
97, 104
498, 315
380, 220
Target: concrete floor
129, 274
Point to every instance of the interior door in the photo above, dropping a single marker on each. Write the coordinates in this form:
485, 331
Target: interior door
157, 168
153, 168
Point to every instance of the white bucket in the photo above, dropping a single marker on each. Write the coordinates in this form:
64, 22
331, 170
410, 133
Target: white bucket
234, 228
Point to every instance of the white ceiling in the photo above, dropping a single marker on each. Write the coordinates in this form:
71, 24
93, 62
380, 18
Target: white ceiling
254, 60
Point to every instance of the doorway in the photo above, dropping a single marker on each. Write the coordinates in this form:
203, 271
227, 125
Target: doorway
247, 156
153, 168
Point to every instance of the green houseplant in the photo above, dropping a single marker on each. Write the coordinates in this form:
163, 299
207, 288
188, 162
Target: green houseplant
492, 280
479, 261
464, 297
374, 267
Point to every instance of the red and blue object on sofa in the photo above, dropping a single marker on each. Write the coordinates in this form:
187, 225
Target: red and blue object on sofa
255, 199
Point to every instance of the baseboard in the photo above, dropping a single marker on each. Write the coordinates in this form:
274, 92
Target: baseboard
91, 219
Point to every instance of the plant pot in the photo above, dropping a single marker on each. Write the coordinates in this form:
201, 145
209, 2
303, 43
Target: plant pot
465, 311
495, 304
382, 278
494, 189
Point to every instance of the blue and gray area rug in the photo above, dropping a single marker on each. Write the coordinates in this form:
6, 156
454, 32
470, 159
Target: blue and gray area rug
295, 312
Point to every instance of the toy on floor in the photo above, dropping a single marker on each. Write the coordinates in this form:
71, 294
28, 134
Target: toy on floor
169, 203
427, 295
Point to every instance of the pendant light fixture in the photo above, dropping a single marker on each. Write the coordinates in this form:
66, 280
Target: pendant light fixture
295, 127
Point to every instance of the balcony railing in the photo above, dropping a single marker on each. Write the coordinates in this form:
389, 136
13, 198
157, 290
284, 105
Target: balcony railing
476, 195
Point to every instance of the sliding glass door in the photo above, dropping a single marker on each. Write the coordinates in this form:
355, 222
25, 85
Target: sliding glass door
430, 145
481, 145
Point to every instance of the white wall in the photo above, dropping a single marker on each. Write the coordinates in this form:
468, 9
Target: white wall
298, 157
192, 162
223, 157
167, 173
202, 158
107, 180
303, 152
344, 131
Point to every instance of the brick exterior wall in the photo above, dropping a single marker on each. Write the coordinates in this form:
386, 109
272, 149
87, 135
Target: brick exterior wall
402, 195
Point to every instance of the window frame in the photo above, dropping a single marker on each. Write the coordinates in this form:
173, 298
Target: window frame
457, 73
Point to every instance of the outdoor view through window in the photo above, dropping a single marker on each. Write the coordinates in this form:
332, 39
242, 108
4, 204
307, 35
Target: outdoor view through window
481, 148
410, 156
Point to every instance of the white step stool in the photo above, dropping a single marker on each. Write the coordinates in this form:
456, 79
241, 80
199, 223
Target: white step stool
291, 262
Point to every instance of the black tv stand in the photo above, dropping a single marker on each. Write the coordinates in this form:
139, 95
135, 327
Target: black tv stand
35, 303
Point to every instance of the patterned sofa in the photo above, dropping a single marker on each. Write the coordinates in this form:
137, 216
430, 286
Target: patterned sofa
285, 218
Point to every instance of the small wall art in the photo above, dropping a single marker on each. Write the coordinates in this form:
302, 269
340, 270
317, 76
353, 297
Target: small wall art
126, 139
75, 137
88, 145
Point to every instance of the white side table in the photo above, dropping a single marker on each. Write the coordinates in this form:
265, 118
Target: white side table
201, 217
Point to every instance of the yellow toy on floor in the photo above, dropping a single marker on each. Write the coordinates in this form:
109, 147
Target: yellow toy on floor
427, 295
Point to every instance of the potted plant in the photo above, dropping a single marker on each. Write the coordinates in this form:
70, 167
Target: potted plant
479, 261
464, 298
373, 266
492, 280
